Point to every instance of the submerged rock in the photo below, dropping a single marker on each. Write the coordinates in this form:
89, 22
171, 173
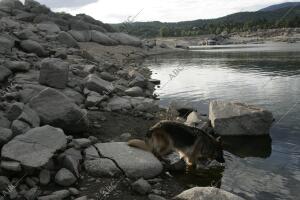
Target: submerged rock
36, 147
207, 193
232, 118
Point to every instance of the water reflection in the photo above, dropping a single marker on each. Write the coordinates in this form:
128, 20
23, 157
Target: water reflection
248, 146
268, 77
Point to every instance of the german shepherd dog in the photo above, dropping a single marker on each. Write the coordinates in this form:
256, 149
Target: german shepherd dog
196, 147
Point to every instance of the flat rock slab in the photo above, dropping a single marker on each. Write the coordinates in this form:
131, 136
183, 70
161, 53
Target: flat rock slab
134, 162
207, 193
36, 147
233, 118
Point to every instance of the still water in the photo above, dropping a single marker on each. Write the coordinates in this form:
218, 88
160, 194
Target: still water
266, 75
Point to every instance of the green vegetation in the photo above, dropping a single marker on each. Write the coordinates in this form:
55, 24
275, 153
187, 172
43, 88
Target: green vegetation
238, 22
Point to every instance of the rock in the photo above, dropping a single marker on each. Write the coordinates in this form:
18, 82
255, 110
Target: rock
107, 76
6, 46
72, 164
55, 109
4, 122
101, 167
26, 34
61, 194
30, 117
18, 66
48, 27
119, 103
141, 186
82, 198
74, 191
180, 109
4, 182
126, 39
94, 99
19, 127
31, 46
32, 194
134, 162
5, 135
199, 193
4, 73
230, 118
67, 39
36, 147
35, 7
45, 177
12, 4
139, 81
194, 119
155, 197
81, 36
73, 95
96, 84
25, 16
81, 143
101, 38
65, 178
154, 81
54, 73
79, 25
14, 111
11, 166
134, 92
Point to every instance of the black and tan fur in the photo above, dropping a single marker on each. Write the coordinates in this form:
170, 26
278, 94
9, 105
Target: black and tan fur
194, 145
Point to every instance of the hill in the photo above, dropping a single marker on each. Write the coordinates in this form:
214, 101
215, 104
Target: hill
242, 21
280, 6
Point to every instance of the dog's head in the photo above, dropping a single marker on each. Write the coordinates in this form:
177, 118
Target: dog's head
209, 152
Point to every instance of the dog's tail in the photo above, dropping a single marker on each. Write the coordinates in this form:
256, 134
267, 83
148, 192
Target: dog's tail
140, 144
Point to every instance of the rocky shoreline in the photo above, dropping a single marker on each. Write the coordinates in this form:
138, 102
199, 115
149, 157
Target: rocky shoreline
72, 93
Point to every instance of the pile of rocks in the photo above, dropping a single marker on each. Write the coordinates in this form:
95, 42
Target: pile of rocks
48, 86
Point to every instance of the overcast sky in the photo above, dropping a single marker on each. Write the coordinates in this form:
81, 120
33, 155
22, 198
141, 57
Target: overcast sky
116, 11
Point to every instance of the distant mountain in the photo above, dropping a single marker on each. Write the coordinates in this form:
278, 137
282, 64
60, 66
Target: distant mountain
279, 16
280, 6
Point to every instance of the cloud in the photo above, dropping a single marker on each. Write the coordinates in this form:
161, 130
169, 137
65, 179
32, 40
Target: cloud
66, 3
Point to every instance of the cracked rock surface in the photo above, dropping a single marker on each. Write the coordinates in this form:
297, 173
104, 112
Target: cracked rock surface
36, 147
135, 163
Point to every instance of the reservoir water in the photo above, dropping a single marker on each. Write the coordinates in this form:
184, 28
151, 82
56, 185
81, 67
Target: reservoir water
266, 75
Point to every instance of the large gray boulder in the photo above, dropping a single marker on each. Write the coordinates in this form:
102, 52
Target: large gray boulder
4, 73
126, 39
232, 118
207, 193
48, 27
6, 45
5, 135
56, 109
134, 162
81, 36
54, 73
134, 92
96, 84
67, 39
31, 46
101, 38
18, 66
36, 147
